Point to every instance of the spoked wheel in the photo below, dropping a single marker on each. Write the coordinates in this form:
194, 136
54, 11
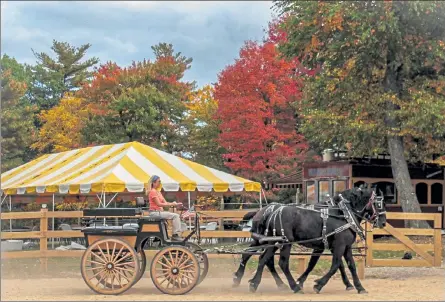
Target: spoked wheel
175, 270
202, 259
110, 266
142, 264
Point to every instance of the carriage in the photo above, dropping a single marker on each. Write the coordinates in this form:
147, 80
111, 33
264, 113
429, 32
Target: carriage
115, 260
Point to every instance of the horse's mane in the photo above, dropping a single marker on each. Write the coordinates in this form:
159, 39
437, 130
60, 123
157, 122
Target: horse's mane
358, 197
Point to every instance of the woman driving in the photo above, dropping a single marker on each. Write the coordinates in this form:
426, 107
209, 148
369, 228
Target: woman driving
157, 202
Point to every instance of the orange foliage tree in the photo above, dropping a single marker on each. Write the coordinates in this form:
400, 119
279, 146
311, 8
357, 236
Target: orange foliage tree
62, 125
258, 124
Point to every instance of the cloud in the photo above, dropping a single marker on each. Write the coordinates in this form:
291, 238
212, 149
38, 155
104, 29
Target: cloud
120, 45
122, 31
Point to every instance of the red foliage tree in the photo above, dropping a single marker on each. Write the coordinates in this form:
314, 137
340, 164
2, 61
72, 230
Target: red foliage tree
256, 107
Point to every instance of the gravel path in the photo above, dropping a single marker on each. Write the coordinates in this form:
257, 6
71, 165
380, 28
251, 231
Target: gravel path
383, 284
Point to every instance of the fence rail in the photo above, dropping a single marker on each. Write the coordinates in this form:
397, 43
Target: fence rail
430, 253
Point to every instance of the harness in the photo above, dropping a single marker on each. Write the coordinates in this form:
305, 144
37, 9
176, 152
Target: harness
324, 216
324, 210
276, 213
350, 218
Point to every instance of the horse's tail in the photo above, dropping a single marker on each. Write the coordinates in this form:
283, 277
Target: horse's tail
249, 215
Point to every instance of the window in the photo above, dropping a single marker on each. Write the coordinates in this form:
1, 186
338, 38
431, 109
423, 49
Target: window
437, 193
422, 193
323, 190
388, 189
310, 192
339, 186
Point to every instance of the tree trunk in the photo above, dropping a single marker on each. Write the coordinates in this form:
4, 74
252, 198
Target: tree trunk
405, 190
393, 83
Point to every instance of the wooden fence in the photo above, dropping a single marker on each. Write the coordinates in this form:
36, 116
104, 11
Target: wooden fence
430, 254
423, 250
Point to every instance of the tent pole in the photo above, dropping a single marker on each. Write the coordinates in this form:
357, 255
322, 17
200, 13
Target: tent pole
4, 198
104, 200
190, 219
10, 210
52, 239
111, 200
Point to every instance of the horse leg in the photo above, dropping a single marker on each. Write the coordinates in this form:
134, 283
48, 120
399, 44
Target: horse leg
255, 281
344, 277
351, 264
336, 261
240, 272
284, 264
270, 265
312, 262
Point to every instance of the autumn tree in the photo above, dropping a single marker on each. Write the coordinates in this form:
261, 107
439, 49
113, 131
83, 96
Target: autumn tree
62, 126
203, 128
17, 127
52, 76
258, 123
380, 85
143, 102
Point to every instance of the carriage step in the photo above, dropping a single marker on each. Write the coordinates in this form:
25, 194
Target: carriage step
262, 238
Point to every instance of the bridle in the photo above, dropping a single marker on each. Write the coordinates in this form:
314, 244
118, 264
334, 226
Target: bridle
375, 203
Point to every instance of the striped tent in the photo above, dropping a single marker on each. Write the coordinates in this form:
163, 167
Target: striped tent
117, 168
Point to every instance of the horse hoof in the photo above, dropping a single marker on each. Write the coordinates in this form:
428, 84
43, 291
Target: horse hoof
348, 288
298, 291
282, 286
236, 282
362, 291
252, 288
316, 289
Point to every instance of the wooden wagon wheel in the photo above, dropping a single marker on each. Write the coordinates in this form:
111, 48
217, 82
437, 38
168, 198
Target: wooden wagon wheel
110, 266
202, 259
142, 264
175, 270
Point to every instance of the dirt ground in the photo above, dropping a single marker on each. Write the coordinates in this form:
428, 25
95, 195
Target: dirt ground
22, 281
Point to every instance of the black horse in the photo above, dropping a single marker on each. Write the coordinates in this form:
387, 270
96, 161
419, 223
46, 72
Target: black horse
257, 215
302, 225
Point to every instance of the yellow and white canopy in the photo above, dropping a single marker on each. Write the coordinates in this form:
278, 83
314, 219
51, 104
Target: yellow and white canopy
116, 168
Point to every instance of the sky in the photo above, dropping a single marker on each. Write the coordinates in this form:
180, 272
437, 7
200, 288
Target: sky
212, 32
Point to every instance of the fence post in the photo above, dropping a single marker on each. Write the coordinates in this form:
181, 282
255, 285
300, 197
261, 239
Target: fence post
369, 241
43, 239
302, 265
361, 268
437, 241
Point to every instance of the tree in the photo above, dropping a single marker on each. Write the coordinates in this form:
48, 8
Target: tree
143, 102
53, 77
380, 82
62, 125
259, 127
203, 128
17, 128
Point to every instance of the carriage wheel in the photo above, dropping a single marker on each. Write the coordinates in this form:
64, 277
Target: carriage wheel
110, 266
127, 264
202, 259
175, 270
142, 264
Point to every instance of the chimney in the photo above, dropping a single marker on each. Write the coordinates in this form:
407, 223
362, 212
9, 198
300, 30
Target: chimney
328, 155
